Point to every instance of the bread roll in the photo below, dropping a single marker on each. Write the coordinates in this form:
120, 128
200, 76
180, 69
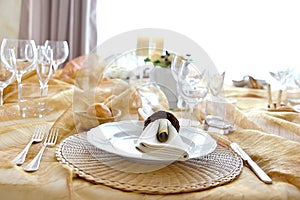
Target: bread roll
99, 110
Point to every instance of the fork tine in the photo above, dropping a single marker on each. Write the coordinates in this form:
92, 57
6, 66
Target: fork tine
39, 131
42, 132
36, 130
54, 138
51, 136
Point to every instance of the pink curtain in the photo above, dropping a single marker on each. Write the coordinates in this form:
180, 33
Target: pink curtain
70, 20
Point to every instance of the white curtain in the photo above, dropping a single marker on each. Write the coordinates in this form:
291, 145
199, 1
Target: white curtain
70, 20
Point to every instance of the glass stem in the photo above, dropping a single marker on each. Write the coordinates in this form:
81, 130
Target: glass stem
190, 110
19, 79
44, 90
54, 68
1, 97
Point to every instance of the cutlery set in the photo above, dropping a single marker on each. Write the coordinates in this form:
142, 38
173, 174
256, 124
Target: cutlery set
52, 135
38, 136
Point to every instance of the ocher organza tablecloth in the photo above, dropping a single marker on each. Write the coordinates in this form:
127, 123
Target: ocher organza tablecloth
270, 138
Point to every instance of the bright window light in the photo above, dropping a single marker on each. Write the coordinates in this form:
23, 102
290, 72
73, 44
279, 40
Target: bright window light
241, 37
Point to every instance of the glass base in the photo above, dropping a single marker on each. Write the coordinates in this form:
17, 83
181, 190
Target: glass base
35, 112
218, 125
8, 113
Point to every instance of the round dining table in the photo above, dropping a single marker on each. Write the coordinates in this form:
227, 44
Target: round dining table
270, 137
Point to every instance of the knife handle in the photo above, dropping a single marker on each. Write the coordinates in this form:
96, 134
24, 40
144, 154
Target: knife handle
259, 172
253, 166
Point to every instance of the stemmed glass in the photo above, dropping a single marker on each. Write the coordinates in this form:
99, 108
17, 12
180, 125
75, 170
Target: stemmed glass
215, 83
60, 52
297, 77
44, 67
25, 54
282, 75
7, 75
192, 85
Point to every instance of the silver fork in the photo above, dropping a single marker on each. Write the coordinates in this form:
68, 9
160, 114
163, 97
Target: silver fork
49, 141
38, 135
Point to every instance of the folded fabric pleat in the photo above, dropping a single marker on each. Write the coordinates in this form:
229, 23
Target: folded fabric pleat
173, 149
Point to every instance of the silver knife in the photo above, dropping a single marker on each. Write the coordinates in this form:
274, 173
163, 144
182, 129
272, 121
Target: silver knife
253, 166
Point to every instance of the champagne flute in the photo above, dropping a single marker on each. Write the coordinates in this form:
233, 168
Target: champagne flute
192, 85
25, 54
44, 67
60, 52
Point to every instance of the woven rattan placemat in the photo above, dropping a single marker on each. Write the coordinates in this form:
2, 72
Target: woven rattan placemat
217, 168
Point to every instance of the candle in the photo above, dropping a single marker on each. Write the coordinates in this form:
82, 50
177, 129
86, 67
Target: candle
279, 98
269, 96
142, 47
159, 44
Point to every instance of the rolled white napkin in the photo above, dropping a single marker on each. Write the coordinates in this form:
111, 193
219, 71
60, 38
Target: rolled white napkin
172, 149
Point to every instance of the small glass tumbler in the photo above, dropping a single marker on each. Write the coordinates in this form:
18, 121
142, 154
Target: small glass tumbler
219, 115
32, 105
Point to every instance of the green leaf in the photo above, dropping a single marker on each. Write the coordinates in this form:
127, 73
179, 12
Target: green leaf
147, 59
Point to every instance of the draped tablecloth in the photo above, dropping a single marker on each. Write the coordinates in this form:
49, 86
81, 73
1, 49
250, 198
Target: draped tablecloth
270, 138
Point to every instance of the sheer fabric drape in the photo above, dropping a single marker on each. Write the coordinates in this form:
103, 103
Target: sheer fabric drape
70, 20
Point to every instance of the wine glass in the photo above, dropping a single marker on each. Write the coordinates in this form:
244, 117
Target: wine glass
215, 83
25, 57
44, 67
60, 52
282, 75
192, 85
297, 77
7, 75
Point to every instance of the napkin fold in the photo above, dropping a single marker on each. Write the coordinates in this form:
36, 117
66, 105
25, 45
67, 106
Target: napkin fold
173, 149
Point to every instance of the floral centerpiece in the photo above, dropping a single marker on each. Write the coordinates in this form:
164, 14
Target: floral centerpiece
162, 60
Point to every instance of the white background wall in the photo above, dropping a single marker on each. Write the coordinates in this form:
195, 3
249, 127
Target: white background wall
241, 37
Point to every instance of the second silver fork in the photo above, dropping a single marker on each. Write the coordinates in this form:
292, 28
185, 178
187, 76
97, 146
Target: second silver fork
50, 140
37, 136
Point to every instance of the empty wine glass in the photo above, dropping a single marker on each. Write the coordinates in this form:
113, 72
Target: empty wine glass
215, 83
6, 77
282, 75
60, 52
192, 85
297, 77
44, 67
25, 54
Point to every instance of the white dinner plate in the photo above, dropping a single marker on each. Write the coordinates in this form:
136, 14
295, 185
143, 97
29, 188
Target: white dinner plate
120, 138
